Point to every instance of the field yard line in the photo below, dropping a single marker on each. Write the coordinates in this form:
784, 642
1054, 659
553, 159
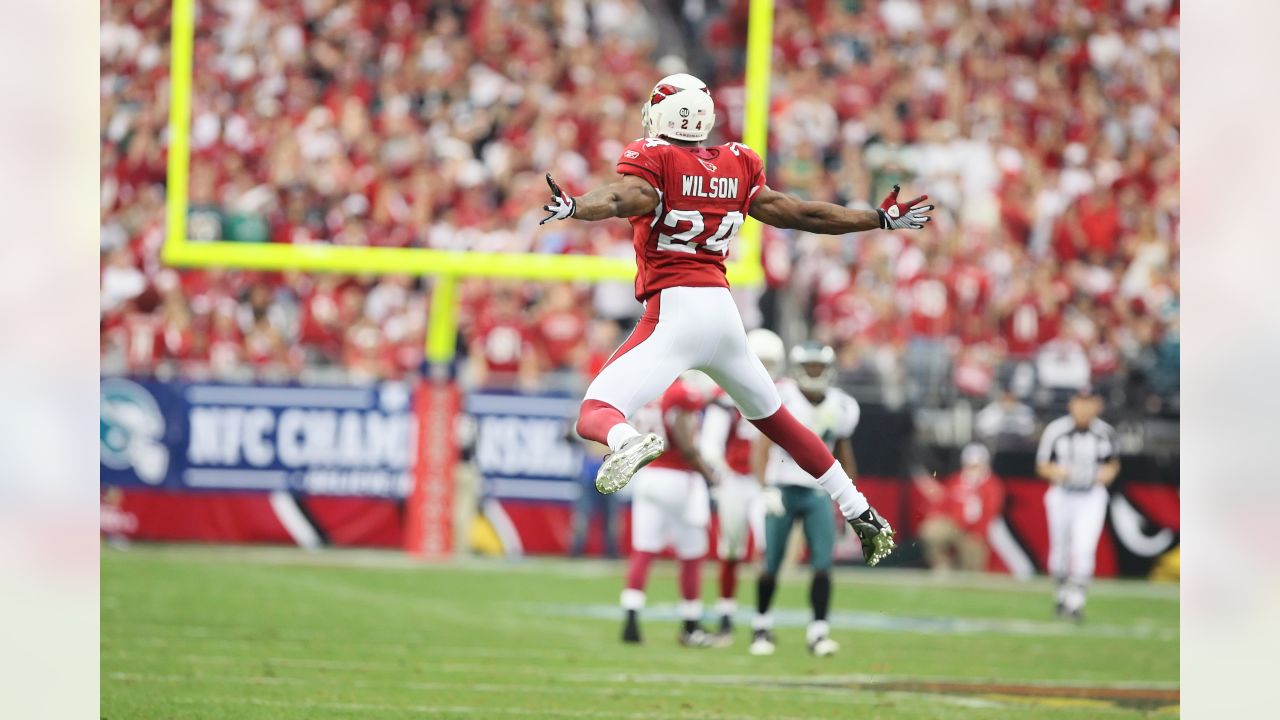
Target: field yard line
892, 622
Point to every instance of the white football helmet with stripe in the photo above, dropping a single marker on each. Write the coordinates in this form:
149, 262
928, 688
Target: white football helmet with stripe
680, 108
767, 346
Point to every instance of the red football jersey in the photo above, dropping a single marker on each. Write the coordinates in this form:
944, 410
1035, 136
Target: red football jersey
737, 448
704, 194
660, 416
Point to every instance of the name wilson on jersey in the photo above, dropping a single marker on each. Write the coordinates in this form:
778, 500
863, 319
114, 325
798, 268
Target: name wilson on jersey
720, 187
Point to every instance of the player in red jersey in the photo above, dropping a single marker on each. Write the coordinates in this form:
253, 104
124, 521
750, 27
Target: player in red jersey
686, 201
670, 508
726, 441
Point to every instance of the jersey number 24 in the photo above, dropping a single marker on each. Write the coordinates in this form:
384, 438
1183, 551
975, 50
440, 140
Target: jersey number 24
689, 240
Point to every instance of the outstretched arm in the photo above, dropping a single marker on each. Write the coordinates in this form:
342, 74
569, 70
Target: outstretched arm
626, 197
785, 211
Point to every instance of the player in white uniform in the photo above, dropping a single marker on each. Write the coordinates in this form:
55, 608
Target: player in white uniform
1078, 456
791, 494
685, 201
726, 441
670, 509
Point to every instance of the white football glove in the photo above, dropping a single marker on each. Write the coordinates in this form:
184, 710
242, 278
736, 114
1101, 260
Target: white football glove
561, 206
896, 215
772, 498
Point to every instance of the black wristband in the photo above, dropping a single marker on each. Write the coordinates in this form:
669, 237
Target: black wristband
884, 219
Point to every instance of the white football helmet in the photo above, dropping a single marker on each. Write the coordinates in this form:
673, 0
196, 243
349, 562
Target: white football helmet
766, 345
679, 107
813, 367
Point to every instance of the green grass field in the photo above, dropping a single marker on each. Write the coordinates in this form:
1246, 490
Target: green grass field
207, 632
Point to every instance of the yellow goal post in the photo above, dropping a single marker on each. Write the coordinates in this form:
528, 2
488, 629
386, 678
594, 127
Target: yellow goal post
446, 266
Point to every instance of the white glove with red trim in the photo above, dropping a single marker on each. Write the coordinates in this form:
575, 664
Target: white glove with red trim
896, 215
561, 206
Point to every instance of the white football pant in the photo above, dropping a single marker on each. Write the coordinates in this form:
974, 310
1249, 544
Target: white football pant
670, 508
740, 510
698, 328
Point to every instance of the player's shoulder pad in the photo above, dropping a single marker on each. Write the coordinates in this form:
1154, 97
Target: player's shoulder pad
641, 145
844, 398
848, 405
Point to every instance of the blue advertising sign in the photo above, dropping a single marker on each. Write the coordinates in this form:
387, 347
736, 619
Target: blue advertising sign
209, 436
525, 447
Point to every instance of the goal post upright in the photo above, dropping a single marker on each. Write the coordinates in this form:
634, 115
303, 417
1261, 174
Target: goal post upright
755, 125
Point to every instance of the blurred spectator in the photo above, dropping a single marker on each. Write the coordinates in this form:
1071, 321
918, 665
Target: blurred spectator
954, 530
1048, 134
502, 345
1006, 422
1062, 365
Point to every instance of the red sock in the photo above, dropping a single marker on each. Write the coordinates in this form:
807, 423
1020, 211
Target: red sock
596, 419
690, 582
638, 570
728, 579
806, 448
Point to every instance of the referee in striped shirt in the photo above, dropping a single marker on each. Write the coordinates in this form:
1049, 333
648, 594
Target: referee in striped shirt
1077, 455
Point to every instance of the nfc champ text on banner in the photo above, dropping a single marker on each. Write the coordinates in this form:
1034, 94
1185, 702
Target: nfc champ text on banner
316, 440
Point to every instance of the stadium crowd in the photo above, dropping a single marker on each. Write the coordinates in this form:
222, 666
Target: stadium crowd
1047, 131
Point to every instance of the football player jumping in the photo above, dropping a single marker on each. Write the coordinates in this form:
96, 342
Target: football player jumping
685, 202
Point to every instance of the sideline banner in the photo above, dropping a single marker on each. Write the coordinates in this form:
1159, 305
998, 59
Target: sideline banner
342, 441
524, 446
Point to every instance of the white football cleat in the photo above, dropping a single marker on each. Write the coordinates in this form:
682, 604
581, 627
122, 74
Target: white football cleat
762, 643
618, 468
696, 638
824, 647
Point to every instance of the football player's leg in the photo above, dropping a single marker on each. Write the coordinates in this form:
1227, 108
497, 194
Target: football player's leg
690, 541
648, 537
820, 535
777, 531
651, 359
731, 544
777, 528
736, 369
639, 370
